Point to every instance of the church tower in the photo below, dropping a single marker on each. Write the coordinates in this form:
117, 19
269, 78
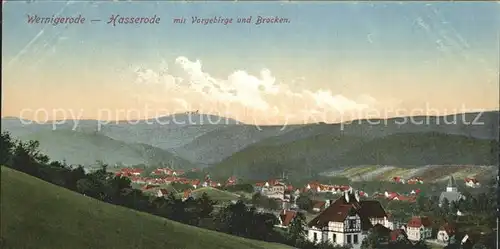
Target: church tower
452, 185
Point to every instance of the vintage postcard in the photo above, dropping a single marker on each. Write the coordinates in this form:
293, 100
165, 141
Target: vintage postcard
249, 124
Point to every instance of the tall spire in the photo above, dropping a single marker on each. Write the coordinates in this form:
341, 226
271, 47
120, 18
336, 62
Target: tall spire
451, 182
452, 185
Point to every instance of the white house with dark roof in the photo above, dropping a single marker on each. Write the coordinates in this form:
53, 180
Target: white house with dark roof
346, 221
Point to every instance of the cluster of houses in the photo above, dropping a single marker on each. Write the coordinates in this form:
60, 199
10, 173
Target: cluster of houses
285, 193
393, 196
277, 189
413, 180
470, 182
165, 176
325, 188
348, 220
344, 221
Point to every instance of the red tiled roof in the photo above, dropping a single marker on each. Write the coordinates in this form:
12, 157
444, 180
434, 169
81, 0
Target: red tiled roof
184, 181
471, 180
169, 179
287, 216
419, 221
164, 191
344, 188
187, 193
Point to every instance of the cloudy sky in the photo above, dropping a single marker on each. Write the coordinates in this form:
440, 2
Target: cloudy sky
332, 61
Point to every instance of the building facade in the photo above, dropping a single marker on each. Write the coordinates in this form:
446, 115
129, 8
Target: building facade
346, 221
419, 228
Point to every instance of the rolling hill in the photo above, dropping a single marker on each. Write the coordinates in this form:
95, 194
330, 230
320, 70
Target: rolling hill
416, 149
216, 145
37, 214
302, 157
482, 125
164, 137
86, 148
319, 153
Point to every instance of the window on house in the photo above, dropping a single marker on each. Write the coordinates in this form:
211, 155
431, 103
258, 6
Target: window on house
349, 239
315, 236
352, 224
334, 237
356, 239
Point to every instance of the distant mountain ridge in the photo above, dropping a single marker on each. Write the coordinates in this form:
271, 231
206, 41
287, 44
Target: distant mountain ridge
373, 128
212, 144
190, 118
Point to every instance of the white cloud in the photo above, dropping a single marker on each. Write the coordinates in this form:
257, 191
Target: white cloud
262, 94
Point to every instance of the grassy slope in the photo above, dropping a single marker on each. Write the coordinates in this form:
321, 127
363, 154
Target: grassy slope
85, 148
323, 152
36, 214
